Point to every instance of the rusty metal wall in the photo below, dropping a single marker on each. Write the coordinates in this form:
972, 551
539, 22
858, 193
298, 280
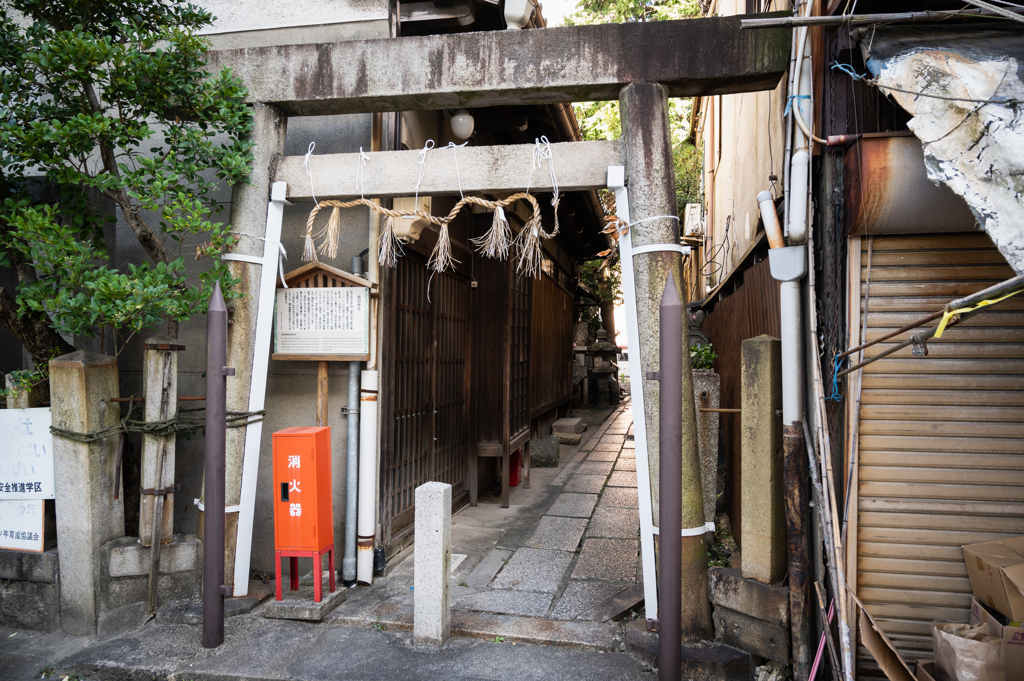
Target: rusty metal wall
941, 437
750, 310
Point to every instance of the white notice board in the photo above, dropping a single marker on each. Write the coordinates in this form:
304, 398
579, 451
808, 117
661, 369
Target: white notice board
322, 321
21, 525
26, 457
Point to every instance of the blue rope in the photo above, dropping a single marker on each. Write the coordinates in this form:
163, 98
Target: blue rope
835, 396
789, 103
848, 70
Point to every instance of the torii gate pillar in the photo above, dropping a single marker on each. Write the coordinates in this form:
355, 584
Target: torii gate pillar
651, 192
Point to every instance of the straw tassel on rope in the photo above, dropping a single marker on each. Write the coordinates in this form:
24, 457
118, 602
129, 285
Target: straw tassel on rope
309, 249
494, 244
441, 257
388, 245
331, 234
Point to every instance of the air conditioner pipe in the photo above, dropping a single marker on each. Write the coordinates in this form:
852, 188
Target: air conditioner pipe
348, 563
367, 475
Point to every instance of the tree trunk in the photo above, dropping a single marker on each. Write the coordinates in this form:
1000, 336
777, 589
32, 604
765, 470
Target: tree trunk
32, 330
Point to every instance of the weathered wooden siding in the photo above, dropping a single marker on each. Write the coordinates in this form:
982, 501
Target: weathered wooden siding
941, 437
551, 343
750, 310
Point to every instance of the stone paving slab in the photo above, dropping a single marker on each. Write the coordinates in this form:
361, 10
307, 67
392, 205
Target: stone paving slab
588, 484
538, 570
612, 560
573, 505
607, 447
617, 431
613, 438
622, 479
580, 597
595, 468
614, 523
483, 573
506, 603
299, 605
627, 454
629, 444
603, 455
626, 464
619, 497
617, 606
558, 533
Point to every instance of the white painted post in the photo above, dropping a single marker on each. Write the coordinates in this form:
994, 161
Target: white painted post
258, 386
617, 183
431, 622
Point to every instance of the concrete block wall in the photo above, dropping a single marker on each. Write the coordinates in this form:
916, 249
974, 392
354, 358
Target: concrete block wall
29, 590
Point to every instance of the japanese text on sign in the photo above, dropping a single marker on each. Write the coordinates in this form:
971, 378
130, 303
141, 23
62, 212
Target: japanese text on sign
322, 321
21, 525
26, 459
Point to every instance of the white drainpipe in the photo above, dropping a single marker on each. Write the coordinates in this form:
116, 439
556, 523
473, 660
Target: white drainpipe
367, 476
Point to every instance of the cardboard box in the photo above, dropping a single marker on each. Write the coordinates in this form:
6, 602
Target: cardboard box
925, 670
1010, 631
996, 570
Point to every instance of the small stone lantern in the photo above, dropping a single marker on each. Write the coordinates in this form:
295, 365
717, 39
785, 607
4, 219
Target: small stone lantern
601, 358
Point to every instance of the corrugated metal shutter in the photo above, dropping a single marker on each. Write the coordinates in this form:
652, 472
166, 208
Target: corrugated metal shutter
941, 437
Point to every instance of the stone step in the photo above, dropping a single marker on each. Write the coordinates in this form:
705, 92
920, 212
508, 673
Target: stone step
569, 438
568, 425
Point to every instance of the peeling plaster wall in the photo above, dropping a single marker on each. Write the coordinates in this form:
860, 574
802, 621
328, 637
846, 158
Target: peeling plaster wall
975, 148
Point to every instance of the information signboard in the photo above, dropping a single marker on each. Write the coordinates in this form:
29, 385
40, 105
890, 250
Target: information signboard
21, 525
322, 321
26, 458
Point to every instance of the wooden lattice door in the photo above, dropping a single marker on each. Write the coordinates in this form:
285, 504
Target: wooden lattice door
430, 388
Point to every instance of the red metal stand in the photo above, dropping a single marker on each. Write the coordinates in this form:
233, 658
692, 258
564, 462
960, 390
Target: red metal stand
318, 577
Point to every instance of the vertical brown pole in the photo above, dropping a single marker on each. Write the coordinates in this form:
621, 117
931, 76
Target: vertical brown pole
670, 433
795, 476
321, 393
216, 434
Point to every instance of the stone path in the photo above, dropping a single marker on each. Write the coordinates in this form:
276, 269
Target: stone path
566, 550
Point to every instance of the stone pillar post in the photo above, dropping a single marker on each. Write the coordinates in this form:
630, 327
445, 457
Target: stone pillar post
82, 385
763, 520
24, 399
248, 215
651, 185
431, 621
160, 381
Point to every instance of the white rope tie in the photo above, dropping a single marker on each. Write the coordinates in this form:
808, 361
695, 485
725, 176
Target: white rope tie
419, 180
305, 164
453, 146
360, 170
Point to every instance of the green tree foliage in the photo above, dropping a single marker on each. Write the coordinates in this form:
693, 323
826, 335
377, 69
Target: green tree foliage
106, 108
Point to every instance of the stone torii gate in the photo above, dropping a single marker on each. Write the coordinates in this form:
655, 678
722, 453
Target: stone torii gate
641, 65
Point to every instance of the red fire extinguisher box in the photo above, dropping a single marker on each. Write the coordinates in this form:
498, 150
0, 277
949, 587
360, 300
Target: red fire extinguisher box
303, 504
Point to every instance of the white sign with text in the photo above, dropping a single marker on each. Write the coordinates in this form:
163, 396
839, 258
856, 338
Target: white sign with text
26, 458
21, 525
322, 321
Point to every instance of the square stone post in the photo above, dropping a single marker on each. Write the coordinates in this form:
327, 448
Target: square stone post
431, 621
160, 381
761, 484
81, 387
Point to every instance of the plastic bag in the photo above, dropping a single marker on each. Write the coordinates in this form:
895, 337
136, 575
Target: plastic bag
967, 653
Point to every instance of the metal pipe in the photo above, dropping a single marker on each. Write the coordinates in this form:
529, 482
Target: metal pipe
670, 435
348, 563
792, 352
367, 521
216, 434
1000, 289
861, 19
